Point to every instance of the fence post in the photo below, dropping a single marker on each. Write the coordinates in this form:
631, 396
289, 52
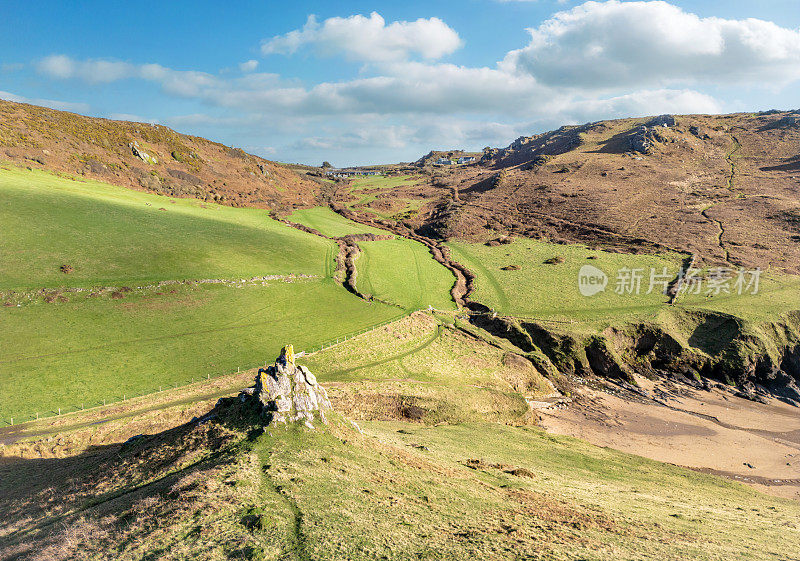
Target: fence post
59, 410
12, 421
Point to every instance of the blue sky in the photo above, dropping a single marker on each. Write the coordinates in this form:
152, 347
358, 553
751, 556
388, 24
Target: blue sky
368, 82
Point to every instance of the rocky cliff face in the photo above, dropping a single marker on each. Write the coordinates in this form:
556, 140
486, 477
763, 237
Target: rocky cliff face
286, 393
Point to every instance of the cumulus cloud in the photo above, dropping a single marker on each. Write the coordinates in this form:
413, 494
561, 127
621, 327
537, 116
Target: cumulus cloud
248, 66
599, 60
408, 89
638, 103
614, 43
364, 38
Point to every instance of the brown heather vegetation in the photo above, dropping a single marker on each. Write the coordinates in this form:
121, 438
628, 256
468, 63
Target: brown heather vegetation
187, 166
724, 187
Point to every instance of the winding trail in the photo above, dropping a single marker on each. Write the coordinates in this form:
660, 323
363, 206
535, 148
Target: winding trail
720, 232
737, 146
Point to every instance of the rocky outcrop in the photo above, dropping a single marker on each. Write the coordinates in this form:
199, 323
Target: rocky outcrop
789, 121
662, 121
642, 140
285, 393
141, 154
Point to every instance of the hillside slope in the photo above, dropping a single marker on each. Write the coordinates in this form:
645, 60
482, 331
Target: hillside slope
725, 187
147, 157
428, 475
106, 292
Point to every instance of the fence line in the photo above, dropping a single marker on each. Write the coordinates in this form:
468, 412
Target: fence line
174, 385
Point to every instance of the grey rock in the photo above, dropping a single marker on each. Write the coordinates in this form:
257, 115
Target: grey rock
789, 121
310, 378
642, 140
141, 154
285, 393
662, 121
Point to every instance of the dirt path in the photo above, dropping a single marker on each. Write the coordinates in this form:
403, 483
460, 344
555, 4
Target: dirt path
737, 146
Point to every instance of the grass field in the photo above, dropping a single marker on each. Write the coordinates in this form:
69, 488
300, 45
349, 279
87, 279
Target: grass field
330, 223
382, 182
366, 190
402, 272
538, 288
542, 290
90, 349
69, 342
113, 236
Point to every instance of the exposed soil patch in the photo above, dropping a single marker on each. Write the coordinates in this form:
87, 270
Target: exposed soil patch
709, 431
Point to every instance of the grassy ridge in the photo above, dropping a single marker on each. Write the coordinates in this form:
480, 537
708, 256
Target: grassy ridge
111, 235
400, 490
402, 272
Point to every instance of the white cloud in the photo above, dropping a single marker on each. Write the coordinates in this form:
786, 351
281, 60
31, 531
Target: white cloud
75, 107
635, 104
185, 83
248, 66
600, 60
92, 71
615, 44
369, 38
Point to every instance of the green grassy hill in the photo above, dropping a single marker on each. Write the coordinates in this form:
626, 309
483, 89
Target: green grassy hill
110, 235
402, 272
131, 315
435, 471
516, 279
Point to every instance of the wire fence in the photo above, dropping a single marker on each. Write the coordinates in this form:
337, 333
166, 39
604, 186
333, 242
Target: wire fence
118, 399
